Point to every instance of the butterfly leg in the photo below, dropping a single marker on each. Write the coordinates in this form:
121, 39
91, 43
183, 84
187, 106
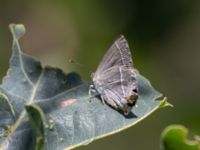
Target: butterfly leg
102, 99
92, 91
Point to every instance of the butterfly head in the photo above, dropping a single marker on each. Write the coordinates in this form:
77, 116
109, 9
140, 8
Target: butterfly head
130, 102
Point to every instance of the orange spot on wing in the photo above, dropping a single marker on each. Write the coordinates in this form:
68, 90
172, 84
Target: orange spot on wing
67, 102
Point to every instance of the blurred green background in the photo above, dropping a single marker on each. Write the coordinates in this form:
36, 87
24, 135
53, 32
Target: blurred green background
164, 37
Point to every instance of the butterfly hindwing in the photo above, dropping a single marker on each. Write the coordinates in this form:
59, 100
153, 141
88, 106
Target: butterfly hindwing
118, 79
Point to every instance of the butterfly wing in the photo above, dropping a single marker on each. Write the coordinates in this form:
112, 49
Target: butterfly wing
115, 84
115, 78
118, 54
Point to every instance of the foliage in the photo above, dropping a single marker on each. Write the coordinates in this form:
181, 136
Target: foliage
45, 106
174, 137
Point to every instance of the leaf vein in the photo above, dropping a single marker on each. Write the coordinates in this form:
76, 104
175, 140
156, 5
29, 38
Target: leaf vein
21, 63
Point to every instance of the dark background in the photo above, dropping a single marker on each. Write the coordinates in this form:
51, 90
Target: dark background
164, 36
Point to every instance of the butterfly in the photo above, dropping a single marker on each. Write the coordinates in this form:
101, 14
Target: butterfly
115, 77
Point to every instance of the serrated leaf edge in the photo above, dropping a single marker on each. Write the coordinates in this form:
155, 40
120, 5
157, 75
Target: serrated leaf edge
23, 113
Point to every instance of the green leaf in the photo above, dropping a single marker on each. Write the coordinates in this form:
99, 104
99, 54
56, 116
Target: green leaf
174, 137
36, 118
72, 117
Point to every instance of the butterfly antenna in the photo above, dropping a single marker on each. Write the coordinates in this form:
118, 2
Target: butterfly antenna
71, 61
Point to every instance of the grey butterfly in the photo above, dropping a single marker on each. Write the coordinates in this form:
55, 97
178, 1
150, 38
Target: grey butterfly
115, 78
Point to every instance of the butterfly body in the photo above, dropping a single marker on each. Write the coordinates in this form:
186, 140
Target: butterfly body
115, 78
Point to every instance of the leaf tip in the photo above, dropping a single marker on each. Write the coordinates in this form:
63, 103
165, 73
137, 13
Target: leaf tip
165, 103
18, 30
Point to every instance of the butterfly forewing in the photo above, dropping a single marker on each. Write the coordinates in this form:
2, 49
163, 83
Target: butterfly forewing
118, 54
